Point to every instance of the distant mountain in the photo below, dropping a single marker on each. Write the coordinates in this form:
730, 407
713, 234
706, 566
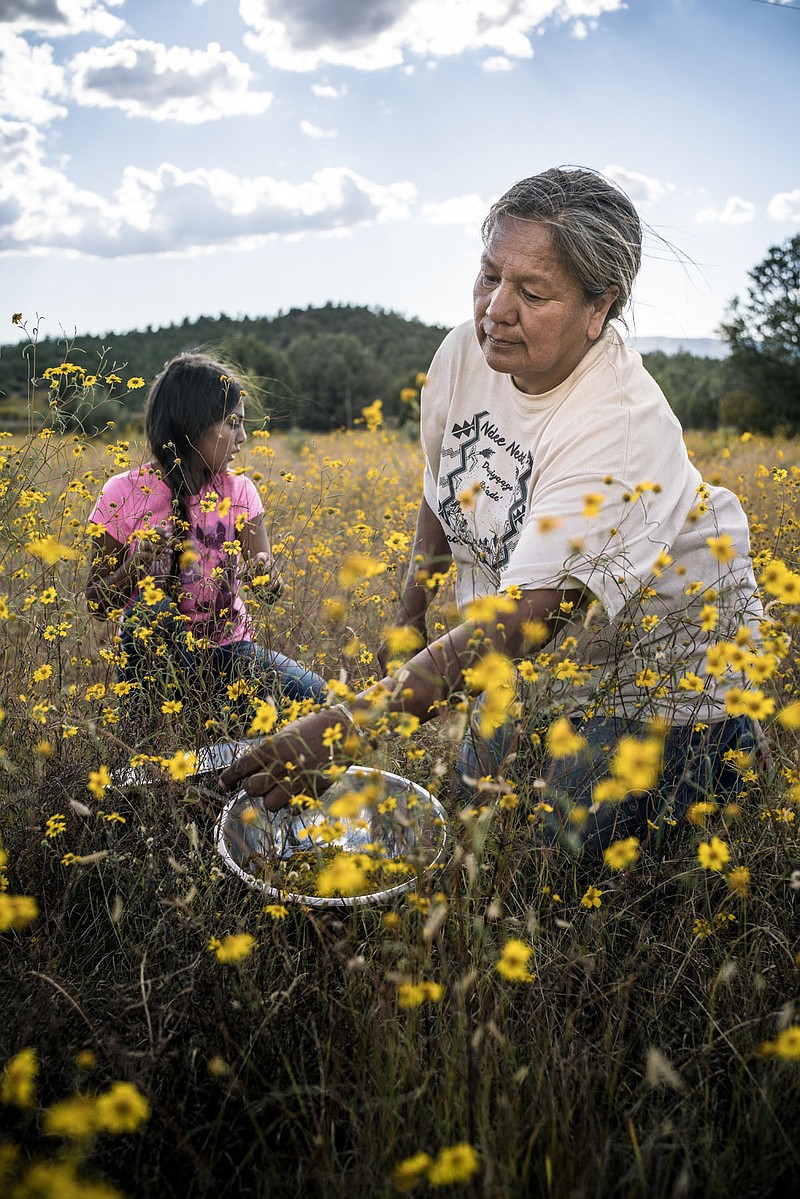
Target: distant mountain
698, 347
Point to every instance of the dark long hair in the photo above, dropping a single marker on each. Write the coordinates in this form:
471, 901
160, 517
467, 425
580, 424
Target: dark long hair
192, 393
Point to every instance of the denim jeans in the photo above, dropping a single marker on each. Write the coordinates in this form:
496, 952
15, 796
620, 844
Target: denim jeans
208, 672
694, 769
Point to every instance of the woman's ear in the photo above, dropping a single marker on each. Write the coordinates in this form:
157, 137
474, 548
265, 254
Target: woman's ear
600, 308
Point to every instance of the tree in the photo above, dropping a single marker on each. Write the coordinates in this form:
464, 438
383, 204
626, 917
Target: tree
763, 332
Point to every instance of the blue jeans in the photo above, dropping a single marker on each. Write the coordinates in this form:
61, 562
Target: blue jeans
694, 769
209, 672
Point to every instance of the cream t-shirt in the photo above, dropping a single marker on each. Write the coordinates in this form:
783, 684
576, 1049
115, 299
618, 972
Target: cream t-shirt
590, 483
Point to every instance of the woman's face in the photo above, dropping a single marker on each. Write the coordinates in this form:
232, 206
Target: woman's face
532, 320
221, 442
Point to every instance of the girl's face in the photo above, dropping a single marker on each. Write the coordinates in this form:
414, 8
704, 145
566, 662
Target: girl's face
221, 442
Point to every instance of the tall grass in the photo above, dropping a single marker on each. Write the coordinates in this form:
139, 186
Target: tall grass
645, 1047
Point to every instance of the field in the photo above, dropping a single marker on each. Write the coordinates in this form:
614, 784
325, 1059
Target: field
520, 1025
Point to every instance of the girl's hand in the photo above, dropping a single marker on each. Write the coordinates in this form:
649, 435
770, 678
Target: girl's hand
151, 556
290, 763
263, 578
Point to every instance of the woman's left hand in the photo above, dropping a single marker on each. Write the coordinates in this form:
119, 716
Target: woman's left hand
291, 762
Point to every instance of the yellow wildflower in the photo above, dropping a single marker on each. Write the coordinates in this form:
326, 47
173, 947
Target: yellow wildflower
713, 854
18, 1080
514, 962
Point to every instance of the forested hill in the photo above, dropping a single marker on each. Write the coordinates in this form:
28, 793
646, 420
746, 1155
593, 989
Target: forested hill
316, 367
313, 367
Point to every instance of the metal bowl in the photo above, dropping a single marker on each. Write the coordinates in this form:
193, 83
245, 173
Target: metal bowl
257, 845
211, 759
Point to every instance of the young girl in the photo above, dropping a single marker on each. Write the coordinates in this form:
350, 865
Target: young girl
178, 533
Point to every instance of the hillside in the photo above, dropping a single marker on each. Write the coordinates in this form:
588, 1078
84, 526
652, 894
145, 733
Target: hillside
313, 367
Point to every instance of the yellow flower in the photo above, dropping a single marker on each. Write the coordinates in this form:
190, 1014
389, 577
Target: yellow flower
122, 1108
514, 962
17, 911
638, 763
698, 813
410, 1171
592, 898
622, 853
357, 568
135, 383
457, 1163
373, 415
332, 735
647, 678
713, 854
234, 947
738, 879
99, 780
72, 1118
403, 640
171, 705
411, 995
342, 876
789, 716
180, 765
55, 825
50, 551
18, 1080
264, 719
487, 608
592, 503
277, 911
562, 740
786, 1044
722, 547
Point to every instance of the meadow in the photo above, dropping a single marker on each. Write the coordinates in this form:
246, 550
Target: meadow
521, 1024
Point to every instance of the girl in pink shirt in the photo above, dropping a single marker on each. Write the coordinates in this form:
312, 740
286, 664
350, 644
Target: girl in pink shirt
177, 534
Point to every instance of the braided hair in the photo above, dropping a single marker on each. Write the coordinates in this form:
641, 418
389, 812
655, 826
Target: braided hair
192, 393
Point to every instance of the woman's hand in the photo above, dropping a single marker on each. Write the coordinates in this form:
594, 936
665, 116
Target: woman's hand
292, 762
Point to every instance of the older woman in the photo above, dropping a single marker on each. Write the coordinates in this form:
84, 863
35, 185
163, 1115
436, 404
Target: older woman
557, 480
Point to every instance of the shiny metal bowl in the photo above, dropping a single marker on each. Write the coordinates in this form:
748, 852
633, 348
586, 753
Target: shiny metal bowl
211, 759
259, 847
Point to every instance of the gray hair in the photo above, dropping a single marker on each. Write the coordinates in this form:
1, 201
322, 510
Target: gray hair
595, 228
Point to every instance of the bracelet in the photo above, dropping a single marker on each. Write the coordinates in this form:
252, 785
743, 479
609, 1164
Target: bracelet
345, 710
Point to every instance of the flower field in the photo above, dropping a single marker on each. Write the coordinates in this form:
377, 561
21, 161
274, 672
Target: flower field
521, 1024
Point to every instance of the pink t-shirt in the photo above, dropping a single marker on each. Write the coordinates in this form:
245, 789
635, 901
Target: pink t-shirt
139, 500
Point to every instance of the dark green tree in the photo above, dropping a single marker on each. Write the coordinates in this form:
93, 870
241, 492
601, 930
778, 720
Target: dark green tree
763, 332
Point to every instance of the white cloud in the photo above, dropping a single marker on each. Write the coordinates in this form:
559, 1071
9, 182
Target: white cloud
301, 35
326, 92
148, 79
468, 210
497, 62
580, 30
174, 211
309, 130
28, 76
59, 18
641, 188
736, 212
785, 206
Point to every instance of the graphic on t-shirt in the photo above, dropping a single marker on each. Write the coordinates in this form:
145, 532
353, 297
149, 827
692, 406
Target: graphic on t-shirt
504, 482
211, 587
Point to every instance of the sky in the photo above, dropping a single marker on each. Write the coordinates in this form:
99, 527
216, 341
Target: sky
160, 161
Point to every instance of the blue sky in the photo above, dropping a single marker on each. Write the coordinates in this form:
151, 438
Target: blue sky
161, 161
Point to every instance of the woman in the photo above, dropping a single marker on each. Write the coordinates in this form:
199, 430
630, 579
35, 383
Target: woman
557, 479
173, 537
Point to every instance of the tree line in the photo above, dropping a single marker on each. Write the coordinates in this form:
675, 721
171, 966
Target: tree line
316, 368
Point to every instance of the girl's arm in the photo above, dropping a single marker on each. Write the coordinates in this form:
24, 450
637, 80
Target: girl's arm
257, 553
115, 575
